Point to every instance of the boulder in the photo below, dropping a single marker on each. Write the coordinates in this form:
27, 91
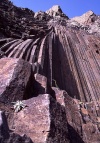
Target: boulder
14, 79
43, 120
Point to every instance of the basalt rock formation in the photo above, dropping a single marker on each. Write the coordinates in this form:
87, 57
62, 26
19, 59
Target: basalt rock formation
50, 70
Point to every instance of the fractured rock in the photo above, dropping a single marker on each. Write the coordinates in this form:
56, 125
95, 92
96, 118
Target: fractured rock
82, 120
42, 86
43, 120
14, 79
6, 136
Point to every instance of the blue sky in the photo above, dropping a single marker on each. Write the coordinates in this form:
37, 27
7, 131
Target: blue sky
71, 8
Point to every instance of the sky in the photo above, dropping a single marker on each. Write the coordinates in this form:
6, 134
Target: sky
71, 8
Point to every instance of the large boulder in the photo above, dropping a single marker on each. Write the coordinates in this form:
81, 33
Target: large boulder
43, 120
14, 79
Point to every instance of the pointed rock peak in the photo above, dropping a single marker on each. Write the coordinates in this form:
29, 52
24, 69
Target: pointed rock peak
88, 13
86, 18
56, 8
56, 11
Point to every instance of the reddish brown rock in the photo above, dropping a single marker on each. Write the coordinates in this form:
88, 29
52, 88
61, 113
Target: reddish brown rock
14, 78
6, 136
83, 118
43, 120
42, 86
59, 95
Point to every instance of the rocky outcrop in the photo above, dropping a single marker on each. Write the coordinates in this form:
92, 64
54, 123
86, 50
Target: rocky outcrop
42, 16
86, 18
50, 67
89, 22
15, 21
56, 11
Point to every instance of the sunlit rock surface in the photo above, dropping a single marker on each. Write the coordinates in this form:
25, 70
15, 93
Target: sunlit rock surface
56, 11
88, 17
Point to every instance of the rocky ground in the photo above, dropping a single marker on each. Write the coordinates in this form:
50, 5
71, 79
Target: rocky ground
49, 76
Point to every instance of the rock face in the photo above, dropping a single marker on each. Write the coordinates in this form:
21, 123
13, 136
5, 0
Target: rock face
52, 64
14, 78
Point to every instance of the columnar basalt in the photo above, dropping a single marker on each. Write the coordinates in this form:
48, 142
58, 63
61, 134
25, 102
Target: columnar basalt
52, 64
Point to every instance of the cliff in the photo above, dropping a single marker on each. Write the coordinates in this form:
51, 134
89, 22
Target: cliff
50, 69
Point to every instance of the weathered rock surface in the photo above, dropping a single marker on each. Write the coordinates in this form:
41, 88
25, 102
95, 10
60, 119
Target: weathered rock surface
5, 134
43, 120
84, 118
52, 64
14, 78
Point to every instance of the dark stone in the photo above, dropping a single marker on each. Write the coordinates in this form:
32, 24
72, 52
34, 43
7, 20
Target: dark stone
15, 138
4, 130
